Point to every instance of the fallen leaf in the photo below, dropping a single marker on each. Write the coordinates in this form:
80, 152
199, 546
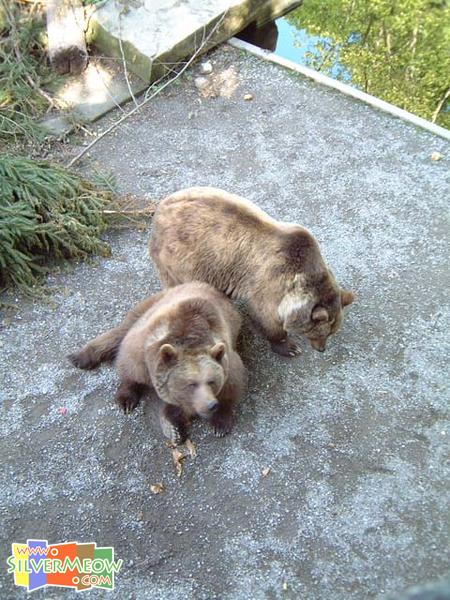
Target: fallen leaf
285, 586
157, 488
266, 471
178, 458
436, 156
248, 97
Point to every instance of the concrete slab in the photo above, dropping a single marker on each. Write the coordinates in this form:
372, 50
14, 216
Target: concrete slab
356, 503
153, 35
86, 97
150, 38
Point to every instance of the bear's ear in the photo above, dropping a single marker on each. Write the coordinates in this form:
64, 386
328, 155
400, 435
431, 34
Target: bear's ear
168, 354
218, 351
347, 298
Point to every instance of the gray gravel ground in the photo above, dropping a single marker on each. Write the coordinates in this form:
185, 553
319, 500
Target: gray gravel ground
357, 500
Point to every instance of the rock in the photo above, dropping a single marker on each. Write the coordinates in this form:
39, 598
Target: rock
206, 68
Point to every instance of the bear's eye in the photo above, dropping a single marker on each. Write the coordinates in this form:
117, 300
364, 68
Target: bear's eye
191, 386
211, 383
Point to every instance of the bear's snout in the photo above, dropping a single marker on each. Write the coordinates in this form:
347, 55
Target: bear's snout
319, 344
213, 405
205, 403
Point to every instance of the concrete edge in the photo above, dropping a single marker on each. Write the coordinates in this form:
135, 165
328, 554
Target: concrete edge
341, 87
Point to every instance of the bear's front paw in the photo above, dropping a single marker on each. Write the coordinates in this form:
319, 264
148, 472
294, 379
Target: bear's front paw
175, 432
222, 423
286, 348
127, 402
176, 435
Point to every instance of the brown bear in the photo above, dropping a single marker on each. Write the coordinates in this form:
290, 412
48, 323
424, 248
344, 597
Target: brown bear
181, 341
209, 235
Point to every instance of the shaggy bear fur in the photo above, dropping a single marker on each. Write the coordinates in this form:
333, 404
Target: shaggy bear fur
182, 342
209, 235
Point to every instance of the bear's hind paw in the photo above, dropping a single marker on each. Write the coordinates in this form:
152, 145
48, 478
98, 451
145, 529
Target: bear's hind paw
83, 360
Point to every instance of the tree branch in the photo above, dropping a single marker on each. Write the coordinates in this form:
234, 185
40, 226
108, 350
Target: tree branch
440, 105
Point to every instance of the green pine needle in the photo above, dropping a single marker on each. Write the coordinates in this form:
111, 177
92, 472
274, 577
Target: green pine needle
46, 212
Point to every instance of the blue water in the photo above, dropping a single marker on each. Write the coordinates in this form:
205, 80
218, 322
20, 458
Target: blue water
300, 46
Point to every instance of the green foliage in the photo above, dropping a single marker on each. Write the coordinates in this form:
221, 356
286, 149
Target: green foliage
398, 50
23, 71
45, 212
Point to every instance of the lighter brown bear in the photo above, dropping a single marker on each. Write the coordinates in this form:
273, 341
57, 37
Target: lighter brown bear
209, 235
182, 342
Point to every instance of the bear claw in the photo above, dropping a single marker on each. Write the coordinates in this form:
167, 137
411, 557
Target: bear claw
222, 425
286, 348
127, 404
175, 435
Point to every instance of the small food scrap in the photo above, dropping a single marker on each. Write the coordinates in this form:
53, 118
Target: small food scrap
266, 471
62, 410
248, 97
436, 156
191, 448
285, 586
157, 488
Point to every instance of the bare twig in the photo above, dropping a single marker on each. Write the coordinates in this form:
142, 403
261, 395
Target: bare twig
413, 44
124, 62
132, 213
440, 105
147, 99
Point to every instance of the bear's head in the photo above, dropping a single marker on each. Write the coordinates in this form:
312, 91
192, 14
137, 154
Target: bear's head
313, 307
191, 378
